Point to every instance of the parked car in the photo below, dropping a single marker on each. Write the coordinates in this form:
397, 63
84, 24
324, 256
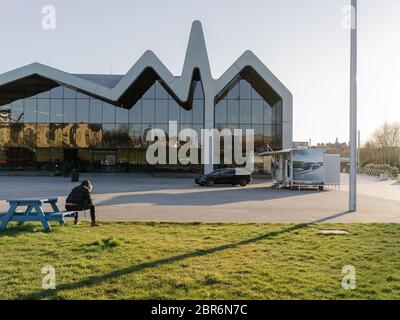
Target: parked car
224, 176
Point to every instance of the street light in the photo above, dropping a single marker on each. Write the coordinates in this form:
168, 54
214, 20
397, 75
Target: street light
353, 110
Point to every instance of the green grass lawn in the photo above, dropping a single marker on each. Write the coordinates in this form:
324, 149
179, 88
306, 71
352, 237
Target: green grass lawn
200, 261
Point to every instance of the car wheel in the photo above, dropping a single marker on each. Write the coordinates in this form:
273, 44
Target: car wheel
210, 182
243, 182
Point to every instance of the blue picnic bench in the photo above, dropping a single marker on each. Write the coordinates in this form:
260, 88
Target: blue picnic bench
33, 211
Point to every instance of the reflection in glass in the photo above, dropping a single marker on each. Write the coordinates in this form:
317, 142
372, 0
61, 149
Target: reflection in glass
257, 112
17, 111
82, 135
122, 136
56, 110
198, 111
69, 135
108, 113
4, 135
42, 135
29, 135
30, 110
162, 111
96, 135
57, 93
82, 111
147, 111
174, 111
56, 135
96, 111
16, 135
69, 111
233, 112
122, 115
43, 114
135, 113
245, 111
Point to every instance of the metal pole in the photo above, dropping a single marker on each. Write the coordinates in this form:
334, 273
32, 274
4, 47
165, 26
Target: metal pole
353, 111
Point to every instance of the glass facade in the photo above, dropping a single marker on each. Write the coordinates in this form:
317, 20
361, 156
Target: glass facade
60, 125
243, 108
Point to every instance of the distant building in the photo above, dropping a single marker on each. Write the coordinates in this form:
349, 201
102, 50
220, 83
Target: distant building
300, 144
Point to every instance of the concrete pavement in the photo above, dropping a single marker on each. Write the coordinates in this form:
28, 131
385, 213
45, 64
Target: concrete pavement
140, 197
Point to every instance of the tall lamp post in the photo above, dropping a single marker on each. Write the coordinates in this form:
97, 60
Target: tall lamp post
353, 111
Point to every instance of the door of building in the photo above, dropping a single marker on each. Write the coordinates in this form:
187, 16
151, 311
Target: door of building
105, 160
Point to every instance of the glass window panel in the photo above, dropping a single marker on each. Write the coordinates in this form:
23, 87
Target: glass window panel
44, 95
69, 111
258, 137
255, 95
122, 115
150, 94
82, 135
198, 91
57, 93
267, 113
69, 135
42, 135
148, 111
123, 157
109, 135
245, 111
17, 135
17, 110
69, 93
96, 135
82, 111
122, 135
135, 113
174, 111
56, 110
232, 112
43, 114
198, 109
186, 115
108, 113
96, 111
257, 111
234, 92
56, 135
245, 90
30, 110
81, 95
135, 135
268, 131
161, 111
43, 155
30, 135
220, 112
56, 155
161, 93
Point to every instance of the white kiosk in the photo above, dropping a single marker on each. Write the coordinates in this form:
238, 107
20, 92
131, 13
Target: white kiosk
304, 168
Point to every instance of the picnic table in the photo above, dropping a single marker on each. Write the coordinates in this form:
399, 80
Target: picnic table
33, 211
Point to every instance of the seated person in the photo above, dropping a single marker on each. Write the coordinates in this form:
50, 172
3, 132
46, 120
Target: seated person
79, 200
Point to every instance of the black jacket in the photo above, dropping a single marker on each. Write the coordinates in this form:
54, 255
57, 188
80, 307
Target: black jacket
79, 195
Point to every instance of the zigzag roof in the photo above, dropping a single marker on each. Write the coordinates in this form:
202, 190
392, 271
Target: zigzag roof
35, 78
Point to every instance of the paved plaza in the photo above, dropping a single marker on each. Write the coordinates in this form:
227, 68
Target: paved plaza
141, 197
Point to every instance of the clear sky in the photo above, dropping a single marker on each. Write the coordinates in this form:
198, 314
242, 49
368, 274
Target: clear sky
302, 41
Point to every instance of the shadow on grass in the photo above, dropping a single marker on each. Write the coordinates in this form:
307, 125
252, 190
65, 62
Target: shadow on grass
153, 264
15, 230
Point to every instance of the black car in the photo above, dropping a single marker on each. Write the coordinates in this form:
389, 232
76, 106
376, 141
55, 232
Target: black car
224, 176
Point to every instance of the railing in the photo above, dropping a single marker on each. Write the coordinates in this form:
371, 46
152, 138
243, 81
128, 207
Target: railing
383, 174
